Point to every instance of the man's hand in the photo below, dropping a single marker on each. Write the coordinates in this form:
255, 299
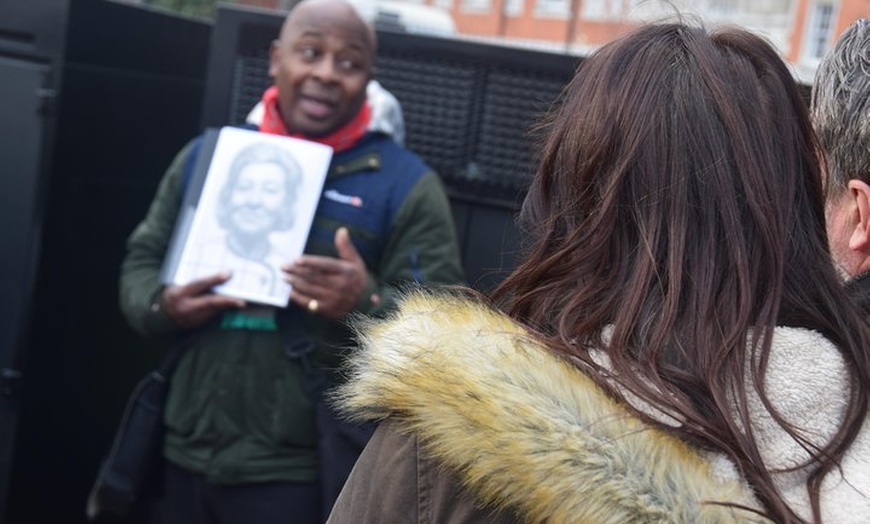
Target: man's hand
193, 304
334, 283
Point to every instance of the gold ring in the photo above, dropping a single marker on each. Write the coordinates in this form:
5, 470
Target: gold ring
313, 305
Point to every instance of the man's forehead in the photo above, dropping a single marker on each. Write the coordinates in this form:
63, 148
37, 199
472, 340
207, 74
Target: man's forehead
329, 17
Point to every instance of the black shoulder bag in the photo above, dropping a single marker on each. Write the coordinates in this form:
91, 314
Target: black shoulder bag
132, 472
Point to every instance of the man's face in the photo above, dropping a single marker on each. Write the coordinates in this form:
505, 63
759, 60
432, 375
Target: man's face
321, 65
257, 198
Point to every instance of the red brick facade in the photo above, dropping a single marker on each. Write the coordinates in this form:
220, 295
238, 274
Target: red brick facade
810, 32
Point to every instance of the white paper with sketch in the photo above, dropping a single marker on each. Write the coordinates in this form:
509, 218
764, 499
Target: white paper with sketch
248, 207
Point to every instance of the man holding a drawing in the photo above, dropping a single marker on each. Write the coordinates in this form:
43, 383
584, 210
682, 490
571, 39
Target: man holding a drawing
248, 438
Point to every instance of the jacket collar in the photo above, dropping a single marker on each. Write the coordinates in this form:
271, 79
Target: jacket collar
523, 429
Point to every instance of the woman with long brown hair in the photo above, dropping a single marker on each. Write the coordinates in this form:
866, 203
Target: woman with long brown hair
675, 346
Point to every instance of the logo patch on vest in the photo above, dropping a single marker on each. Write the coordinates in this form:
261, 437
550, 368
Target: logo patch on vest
335, 196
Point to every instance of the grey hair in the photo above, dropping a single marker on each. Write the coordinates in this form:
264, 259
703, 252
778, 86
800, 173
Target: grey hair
841, 108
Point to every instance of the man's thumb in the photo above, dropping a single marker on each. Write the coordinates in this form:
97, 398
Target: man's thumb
344, 245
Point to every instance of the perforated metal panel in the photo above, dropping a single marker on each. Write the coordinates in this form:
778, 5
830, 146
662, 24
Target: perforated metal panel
250, 79
439, 102
514, 100
469, 108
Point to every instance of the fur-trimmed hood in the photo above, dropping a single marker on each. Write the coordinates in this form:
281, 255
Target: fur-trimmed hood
525, 430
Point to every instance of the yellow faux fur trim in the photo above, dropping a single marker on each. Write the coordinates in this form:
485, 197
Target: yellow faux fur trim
523, 429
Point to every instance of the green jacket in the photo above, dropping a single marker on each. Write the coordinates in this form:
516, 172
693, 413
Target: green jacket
236, 411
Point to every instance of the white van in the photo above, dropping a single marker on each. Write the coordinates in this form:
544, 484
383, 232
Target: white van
395, 15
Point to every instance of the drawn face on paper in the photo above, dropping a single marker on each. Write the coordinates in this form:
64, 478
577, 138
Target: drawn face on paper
259, 196
257, 199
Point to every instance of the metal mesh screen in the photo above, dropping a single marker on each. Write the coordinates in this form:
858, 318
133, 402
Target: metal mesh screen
250, 79
439, 104
513, 101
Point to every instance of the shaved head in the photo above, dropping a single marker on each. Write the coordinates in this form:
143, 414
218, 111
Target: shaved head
336, 11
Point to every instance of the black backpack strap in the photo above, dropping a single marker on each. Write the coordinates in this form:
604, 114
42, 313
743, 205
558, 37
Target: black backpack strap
339, 441
298, 345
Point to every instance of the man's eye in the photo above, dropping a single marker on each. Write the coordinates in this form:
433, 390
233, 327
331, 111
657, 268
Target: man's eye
349, 65
308, 53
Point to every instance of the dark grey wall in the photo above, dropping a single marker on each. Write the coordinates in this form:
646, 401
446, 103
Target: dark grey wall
129, 82
31, 36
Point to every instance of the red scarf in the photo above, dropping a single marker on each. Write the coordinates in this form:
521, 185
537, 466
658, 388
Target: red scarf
342, 138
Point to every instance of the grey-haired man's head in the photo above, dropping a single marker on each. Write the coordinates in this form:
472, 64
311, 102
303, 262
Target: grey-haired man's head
841, 115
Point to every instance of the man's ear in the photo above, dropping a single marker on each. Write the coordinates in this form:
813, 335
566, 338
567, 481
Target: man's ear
274, 58
860, 238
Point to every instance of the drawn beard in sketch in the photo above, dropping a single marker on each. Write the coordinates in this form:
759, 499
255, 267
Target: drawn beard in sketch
258, 199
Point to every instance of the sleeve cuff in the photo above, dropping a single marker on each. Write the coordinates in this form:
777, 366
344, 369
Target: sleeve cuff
370, 296
158, 322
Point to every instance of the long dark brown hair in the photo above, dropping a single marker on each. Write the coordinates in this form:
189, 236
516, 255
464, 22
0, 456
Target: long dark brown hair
679, 200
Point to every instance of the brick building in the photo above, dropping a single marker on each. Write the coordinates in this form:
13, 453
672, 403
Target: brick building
803, 30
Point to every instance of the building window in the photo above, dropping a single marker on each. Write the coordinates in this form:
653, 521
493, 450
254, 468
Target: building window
594, 9
513, 7
443, 4
720, 7
553, 8
821, 27
600, 10
477, 6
